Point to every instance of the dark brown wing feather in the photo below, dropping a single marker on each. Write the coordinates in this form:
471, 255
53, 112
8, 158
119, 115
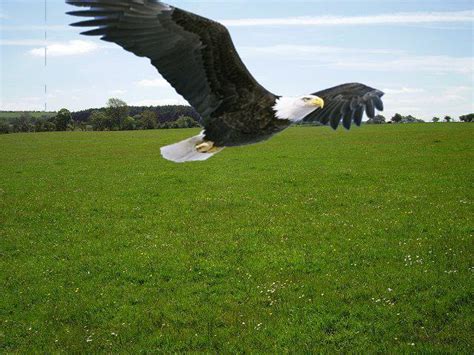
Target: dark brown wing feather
347, 103
194, 54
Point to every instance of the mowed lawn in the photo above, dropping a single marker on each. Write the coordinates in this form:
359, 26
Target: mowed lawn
313, 241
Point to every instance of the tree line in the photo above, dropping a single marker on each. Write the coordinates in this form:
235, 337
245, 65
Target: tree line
117, 115
398, 118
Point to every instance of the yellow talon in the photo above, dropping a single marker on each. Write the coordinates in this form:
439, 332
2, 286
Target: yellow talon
206, 147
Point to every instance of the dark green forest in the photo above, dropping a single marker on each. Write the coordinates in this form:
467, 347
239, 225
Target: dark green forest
116, 116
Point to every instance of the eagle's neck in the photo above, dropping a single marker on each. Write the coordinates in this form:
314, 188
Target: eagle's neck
291, 108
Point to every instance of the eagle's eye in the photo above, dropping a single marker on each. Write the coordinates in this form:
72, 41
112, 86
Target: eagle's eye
306, 99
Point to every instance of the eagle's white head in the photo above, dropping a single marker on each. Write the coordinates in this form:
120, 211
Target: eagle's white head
296, 108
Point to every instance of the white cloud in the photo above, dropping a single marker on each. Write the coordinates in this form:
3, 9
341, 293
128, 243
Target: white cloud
160, 102
458, 90
74, 47
435, 64
430, 102
153, 83
35, 28
22, 42
30, 103
117, 92
402, 91
459, 94
382, 19
365, 59
303, 51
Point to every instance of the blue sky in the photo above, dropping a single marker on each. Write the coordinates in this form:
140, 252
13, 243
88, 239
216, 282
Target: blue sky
419, 52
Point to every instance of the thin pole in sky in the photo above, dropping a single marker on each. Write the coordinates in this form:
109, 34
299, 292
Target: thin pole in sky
45, 55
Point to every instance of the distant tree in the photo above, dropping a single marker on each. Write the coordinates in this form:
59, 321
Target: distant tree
185, 122
129, 124
117, 111
44, 124
148, 120
467, 118
76, 125
40, 125
63, 119
405, 119
4, 127
165, 113
81, 125
49, 125
23, 123
448, 118
137, 117
435, 119
99, 121
397, 118
166, 125
411, 119
378, 119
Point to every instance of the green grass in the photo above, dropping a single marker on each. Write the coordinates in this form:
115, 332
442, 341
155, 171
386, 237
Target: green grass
313, 241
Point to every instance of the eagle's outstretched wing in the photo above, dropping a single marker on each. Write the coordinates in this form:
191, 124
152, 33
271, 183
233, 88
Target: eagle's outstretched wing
194, 54
347, 102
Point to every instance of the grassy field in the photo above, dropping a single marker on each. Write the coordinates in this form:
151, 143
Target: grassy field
316, 240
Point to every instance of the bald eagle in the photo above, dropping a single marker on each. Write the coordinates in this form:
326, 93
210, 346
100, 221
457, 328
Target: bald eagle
197, 57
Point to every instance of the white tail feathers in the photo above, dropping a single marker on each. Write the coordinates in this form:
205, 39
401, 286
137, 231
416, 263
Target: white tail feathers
185, 151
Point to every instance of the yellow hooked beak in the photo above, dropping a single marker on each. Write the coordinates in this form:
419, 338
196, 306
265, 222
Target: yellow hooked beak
318, 102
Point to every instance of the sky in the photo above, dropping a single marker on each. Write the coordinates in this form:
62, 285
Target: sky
419, 52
